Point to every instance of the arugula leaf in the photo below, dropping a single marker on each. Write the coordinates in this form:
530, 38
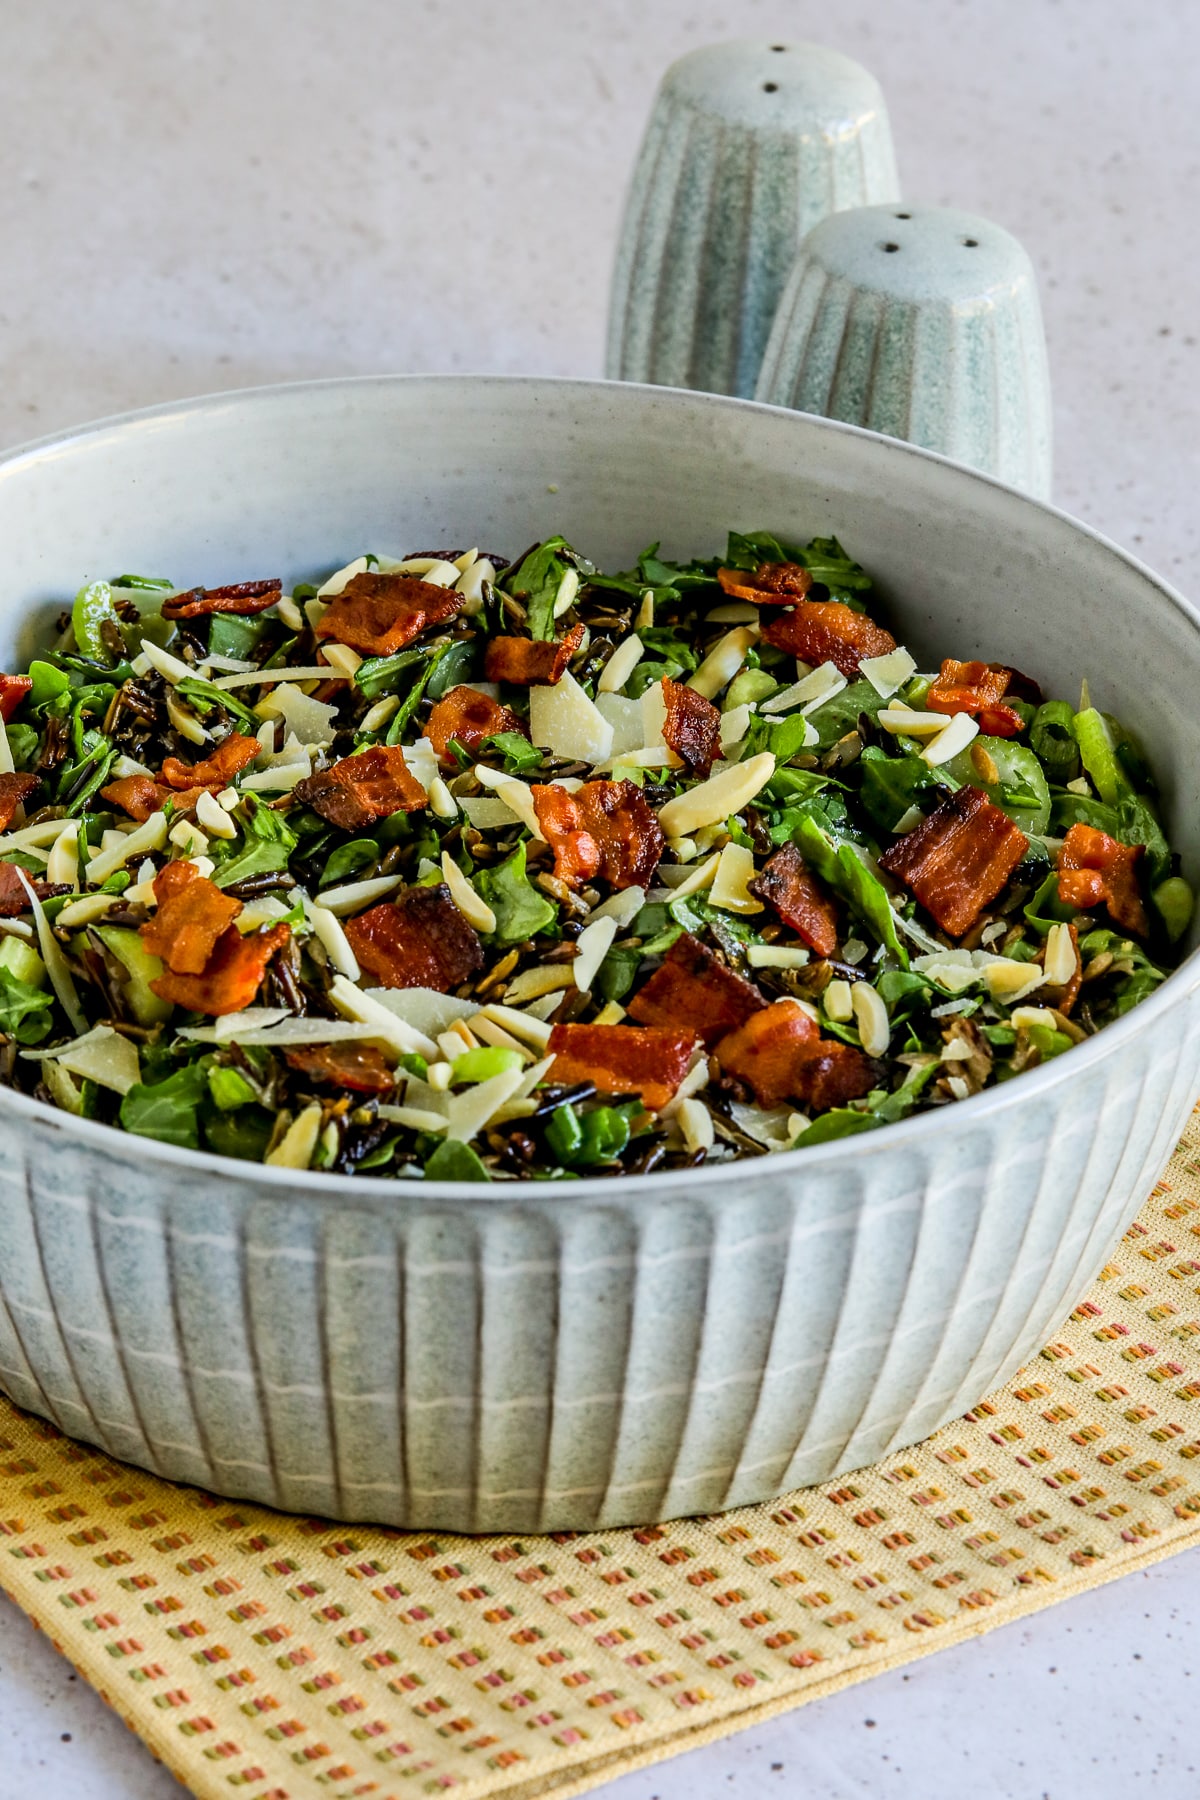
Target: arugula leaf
840, 865
244, 1133
518, 753
1146, 975
378, 675
670, 645
890, 784
840, 713
167, 1109
1046, 909
229, 635
648, 673
267, 845
408, 705
204, 696
618, 971
838, 1122
24, 1010
347, 859
783, 737
824, 558
452, 1161
536, 583
520, 909
455, 667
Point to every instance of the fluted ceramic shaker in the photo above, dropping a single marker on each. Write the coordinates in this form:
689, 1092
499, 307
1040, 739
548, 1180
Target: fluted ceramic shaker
921, 323
749, 145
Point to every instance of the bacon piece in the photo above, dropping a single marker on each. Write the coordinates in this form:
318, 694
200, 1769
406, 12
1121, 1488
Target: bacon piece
216, 771
780, 1053
13, 689
771, 584
137, 795
788, 885
419, 940
378, 614
976, 688
14, 789
692, 727
231, 977
14, 899
649, 1060
360, 789
1094, 869
243, 598
470, 717
958, 858
694, 989
819, 631
531, 662
192, 914
359, 1067
604, 828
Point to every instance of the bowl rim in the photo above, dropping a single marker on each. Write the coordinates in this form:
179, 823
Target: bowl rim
284, 1184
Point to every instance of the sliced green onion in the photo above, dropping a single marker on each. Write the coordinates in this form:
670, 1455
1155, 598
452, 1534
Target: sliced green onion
481, 1065
1175, 903
1099, 756
1052, 739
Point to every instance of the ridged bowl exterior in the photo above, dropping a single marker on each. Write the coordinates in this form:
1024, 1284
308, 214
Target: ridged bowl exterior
748, 146
607, 1351
922, 323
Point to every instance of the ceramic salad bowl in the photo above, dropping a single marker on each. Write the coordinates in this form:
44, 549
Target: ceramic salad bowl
552, 1356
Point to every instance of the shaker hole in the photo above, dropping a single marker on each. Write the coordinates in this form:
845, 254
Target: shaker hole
970, 243
770, 87
902, 215
889, 246
779, 46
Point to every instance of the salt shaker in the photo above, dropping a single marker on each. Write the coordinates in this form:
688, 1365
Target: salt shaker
749, 145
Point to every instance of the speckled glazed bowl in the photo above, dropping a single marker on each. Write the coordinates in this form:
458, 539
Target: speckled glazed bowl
606, 1351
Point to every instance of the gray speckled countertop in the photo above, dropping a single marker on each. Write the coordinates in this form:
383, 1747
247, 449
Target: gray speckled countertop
219, 194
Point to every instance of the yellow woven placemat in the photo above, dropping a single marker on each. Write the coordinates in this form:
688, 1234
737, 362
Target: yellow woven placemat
274, 1658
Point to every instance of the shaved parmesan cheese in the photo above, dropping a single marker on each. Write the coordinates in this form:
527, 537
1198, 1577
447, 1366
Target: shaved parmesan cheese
7, 765
424, 1008
625, 717
327, 928
735, 867
533, 1031
341, 658
263, 911
420, 759
815, 688
295, 1148
956, 736
416, 1118
55, 961
620, 665
515, 794
342, 578
150, 836
624, 906
695, 1122
564, 721
290, 613
531, 984
487, 815
715, 799
734, 725
471, 581
723, 661
311, 720
887, 673
1009, 981
475, 911
168, 666
593, 945
694, 880
62, 865
354, 1003
101, 1055
470, 1111
1025, 1017
654, 715
356, 894
776, 956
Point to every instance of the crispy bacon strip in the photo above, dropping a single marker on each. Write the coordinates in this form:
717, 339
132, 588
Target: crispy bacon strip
605, 828
360, 789
531, 662
692, 727
191, 916
14, 899
13, 689
231, 977
1094, 870
137, 795
695, 990
14, 789
469, 716
976, 688
771, 584
378, 614
359, 1067
418, 940
216, 771
622, 1059
958, 858
780, 1053
819, 631
243, 598
788, 885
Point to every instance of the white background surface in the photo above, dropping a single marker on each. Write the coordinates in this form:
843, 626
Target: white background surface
216, 194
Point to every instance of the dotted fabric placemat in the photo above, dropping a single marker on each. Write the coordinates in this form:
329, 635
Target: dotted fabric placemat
277, 1658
